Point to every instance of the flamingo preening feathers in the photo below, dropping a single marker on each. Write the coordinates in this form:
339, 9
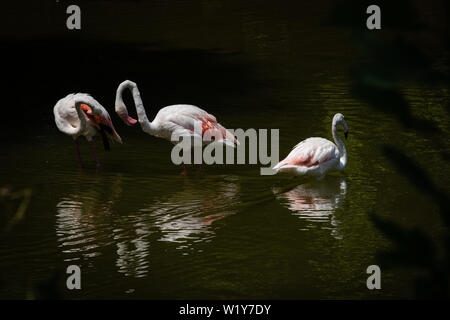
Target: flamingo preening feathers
317, 156
81, 115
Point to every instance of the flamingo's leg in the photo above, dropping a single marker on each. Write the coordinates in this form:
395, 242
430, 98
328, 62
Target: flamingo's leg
199, 165
78, 153
91, 143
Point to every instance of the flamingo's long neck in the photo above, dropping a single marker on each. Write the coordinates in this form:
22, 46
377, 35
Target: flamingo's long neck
146, 125
341, 147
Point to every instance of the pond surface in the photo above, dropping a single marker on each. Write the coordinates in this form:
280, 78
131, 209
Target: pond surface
140, 230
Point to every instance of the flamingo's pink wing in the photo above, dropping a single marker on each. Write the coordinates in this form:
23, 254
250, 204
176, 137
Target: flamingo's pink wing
209, 124
194, 118
310, 152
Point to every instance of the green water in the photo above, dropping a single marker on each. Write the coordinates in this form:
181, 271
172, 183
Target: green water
140, 230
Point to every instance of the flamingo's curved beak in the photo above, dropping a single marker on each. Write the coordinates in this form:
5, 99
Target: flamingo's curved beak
346, 134
129, 121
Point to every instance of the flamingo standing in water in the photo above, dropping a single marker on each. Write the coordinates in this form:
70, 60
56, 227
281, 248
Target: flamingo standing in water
81, 115
317, 156
175, 120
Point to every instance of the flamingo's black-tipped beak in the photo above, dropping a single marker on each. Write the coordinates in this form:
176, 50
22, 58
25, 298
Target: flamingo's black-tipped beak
129, 121
346, 134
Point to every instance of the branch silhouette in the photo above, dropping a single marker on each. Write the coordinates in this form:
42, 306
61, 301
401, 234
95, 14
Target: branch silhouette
390, 60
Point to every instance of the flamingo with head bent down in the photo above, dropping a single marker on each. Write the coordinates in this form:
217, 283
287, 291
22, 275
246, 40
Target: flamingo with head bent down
81, 115
317, 156
178, 120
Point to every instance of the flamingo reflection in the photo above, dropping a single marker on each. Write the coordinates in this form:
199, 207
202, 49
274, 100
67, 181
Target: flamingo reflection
88, 220
82, 215
187, 216
316, 202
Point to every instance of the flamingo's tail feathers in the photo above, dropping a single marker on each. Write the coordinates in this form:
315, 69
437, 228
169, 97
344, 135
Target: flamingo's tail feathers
228, 137
278, 166
229, 143
108, 133
283, 166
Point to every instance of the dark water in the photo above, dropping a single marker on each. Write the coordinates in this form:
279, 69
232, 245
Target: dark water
138, 229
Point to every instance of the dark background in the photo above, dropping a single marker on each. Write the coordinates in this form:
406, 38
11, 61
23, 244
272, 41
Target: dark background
192, 51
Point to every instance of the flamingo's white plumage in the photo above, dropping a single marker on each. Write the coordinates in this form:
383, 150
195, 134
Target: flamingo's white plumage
317, 156
81, 115
175, 120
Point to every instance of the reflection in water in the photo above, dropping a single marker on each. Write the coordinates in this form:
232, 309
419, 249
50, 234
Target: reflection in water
132, 250
81, 219
86, 223
315, 202
73, 229
185, 217
87, 220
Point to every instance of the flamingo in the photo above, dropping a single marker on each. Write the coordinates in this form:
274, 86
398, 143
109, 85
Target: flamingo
174, 120
317, 156
81, 115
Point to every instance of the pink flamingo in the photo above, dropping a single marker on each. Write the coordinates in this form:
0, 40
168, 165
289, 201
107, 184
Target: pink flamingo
81, 115
317, 156
175, 120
